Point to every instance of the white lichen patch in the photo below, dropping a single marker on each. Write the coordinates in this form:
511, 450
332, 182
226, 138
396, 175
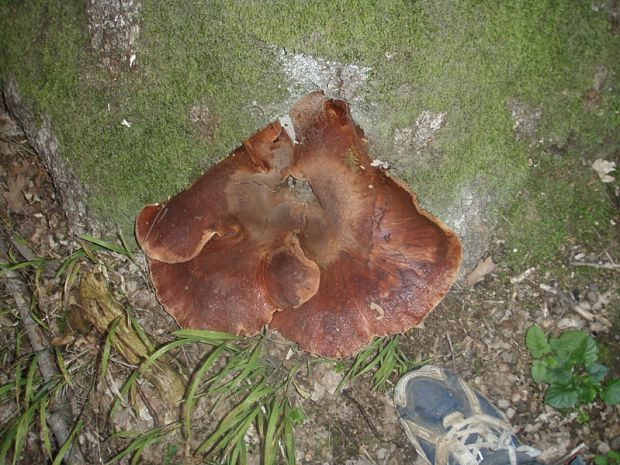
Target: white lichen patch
306, 73
526, 122
603, 168
420, 135
114, 27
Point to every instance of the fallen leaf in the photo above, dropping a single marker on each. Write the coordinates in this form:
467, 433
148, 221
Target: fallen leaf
17, 183
484, 267
63, 341
603, 168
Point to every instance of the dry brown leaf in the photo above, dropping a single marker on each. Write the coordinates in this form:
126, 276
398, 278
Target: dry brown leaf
63, 341
16, 202
484, 267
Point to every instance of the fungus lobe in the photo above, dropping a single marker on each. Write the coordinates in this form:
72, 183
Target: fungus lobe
297, 229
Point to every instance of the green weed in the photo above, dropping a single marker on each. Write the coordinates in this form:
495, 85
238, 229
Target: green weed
569, 365
611, 458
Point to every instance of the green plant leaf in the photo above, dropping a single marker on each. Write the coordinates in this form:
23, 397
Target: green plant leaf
106, 245
171, 451
597, 372
614, 456
587, 392
600, 460
611, 392
289, 442
562, 376
570, 347
560, 396
45, 434
539, 372
109, 341
536, 342
296, 416
590, 356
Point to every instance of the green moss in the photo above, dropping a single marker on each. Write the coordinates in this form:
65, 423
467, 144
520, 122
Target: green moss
186, 58
468, 59
559, 201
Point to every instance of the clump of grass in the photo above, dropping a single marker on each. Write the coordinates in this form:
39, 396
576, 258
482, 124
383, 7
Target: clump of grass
381, 359
231, 372
30, 396
27, 393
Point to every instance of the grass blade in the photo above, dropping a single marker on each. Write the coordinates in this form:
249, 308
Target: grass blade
127, 385
251, 367
125, 244
23, 426
45, 434
289, 437
109, 340
237, 434
162, 350
61, 366
36, 264
141, 334
204, 335
106, 245
32, 370
68, 443
271, 440
8, 436
88, 252
232, 418
190, 398
18, 383
142, 441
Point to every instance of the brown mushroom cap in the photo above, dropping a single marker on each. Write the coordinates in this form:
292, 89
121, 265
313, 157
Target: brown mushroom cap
305, 235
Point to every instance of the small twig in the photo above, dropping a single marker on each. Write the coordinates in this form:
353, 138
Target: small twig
602, 266
451, 352
583, 312
522, 276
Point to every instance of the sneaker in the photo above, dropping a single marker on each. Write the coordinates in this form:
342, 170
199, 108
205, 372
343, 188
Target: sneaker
449, 423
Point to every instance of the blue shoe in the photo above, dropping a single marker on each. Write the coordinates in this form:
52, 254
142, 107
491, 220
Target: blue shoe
449, 423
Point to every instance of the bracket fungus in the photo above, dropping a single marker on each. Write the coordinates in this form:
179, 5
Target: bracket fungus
297, 229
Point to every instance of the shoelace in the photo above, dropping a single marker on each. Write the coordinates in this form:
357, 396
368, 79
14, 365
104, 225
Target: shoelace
489, 432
